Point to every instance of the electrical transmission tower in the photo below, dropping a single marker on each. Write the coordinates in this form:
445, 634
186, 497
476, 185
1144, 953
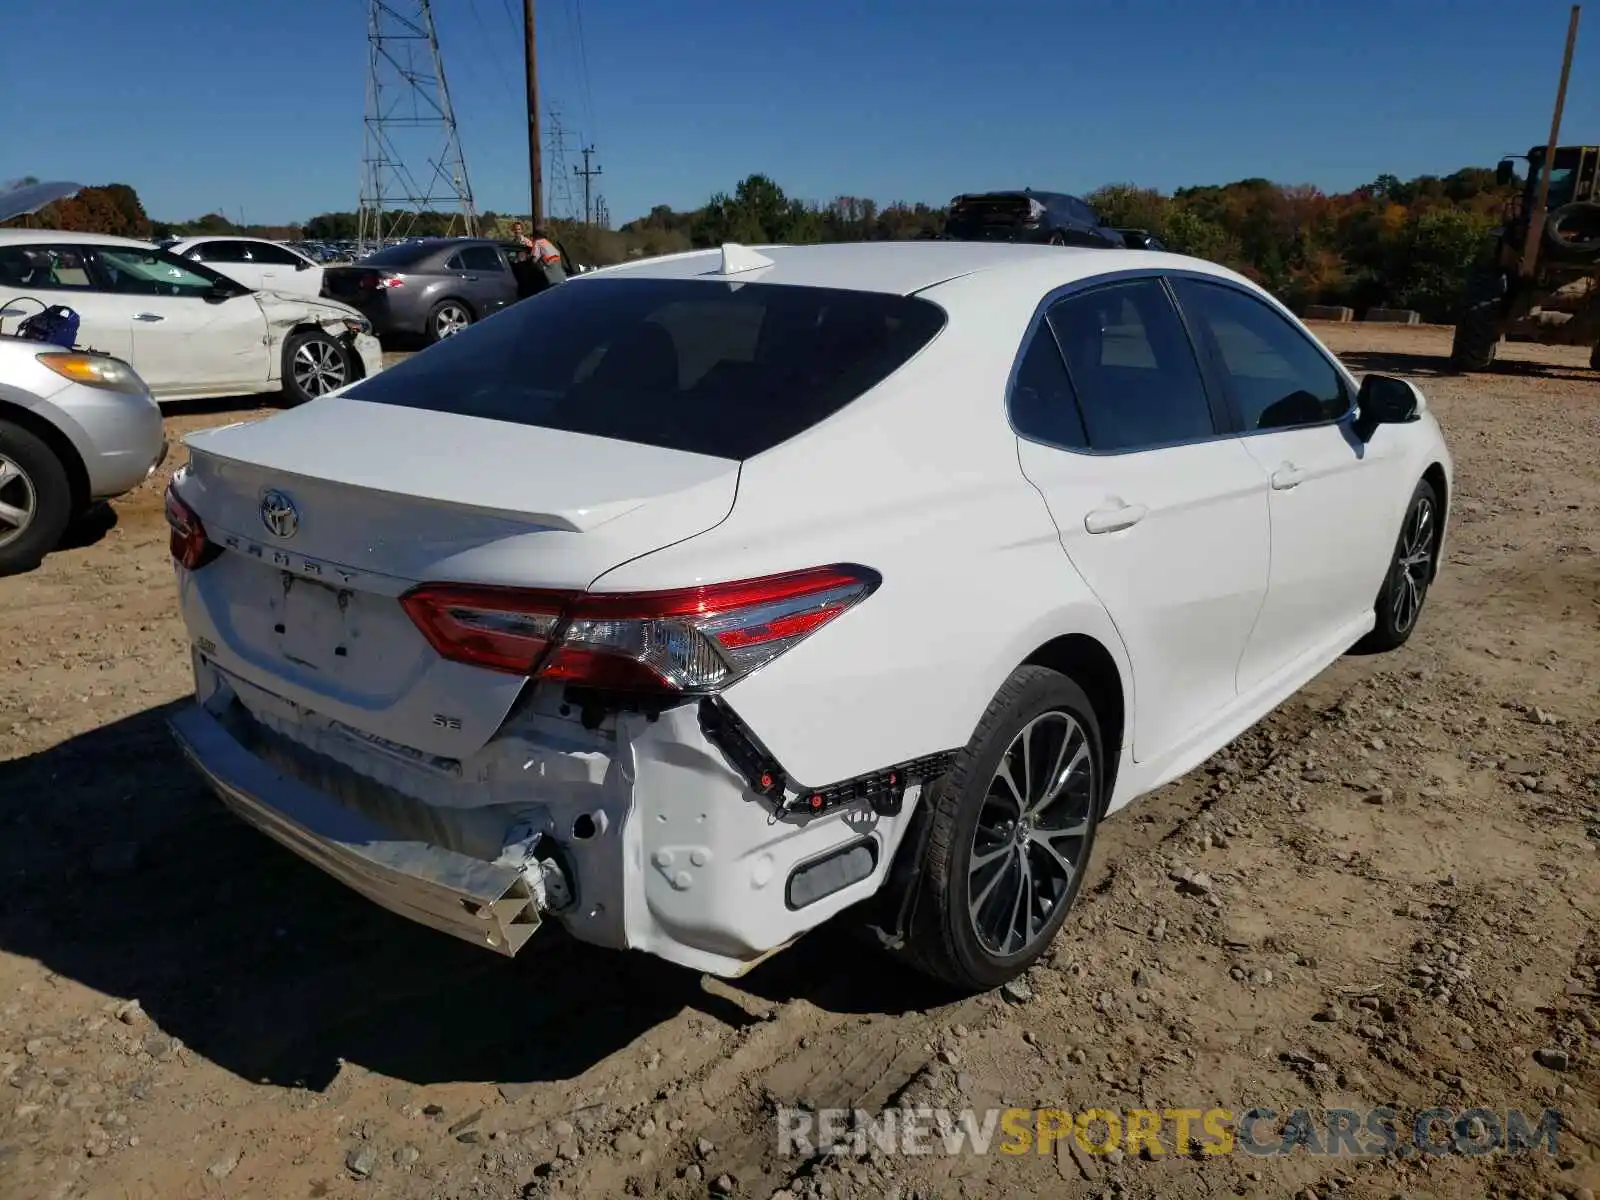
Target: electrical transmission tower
560, 204
602, 213
411, 159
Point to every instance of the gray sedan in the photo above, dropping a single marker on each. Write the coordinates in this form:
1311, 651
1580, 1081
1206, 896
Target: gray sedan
431, 288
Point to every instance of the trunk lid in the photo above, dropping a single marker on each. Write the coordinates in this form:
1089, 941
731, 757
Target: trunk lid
996, 214
351, 284
329, 512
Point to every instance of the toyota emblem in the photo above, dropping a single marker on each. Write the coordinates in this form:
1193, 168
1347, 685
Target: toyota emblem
279, 514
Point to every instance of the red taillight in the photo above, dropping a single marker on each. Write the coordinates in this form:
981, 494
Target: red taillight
188, 543
688, 640
373, 282
505, 629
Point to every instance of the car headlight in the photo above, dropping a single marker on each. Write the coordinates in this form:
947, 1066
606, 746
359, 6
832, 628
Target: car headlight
95, 370
358, 325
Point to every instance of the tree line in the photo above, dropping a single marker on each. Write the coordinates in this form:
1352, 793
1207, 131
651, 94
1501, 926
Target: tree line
1394, 243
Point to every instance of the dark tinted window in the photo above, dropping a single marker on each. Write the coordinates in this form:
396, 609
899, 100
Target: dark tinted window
45, 267
400, 256
481, 258
1278, 378
685, 364
1132, 367
1078, 211
220, 252
1043, 406
272, 256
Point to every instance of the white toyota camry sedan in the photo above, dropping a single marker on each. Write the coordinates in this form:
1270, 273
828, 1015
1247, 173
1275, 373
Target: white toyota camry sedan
700, 599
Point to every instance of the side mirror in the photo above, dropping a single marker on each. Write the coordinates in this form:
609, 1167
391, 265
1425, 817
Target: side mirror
301, 264
1385, 400
1505, 173
221, 291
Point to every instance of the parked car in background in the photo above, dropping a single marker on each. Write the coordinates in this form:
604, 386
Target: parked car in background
699, 599
75, 429
432, 288
189, 331
1028, 216
256, 263
1141, 239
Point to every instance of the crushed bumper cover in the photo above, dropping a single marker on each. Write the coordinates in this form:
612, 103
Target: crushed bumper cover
487, 904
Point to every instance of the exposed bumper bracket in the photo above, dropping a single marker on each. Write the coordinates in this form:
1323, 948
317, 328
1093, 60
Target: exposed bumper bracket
884, 791
488, 904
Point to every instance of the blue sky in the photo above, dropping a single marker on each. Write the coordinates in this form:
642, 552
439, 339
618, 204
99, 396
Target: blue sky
255, 107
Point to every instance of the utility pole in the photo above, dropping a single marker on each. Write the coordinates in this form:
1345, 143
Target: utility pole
588, 173
1530, 248
535, 164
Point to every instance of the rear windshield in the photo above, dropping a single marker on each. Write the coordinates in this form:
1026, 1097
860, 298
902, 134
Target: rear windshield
728, 370
399, 256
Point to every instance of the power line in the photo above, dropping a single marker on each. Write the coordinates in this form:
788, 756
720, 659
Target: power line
499, 68
583, 66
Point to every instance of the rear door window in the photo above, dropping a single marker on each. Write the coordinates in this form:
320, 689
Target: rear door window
694, 365
273, 256
47, 268
1132, 367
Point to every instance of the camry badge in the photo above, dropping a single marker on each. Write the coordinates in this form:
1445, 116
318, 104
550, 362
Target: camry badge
279, 514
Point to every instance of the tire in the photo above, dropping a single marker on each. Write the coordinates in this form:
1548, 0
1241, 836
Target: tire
1057, 239
1594, 359
1477, 336
447, 318
1572, 232
971, 803
1411, 570
36, 496
314, 363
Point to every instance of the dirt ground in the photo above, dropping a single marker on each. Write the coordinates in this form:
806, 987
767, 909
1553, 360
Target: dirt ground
1397, 906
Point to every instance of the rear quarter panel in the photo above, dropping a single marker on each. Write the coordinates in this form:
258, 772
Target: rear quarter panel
919, 480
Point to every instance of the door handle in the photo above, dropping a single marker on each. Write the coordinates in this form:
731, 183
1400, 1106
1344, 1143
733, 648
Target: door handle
148, 317
1287, 476
1109, 520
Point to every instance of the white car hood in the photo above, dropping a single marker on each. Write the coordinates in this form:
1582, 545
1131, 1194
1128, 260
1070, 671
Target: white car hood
285, 307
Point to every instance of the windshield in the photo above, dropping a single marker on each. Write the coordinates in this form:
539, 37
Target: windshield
728, 370
1563, 175
1561, 180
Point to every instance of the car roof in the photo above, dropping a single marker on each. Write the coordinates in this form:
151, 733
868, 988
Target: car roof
904, 267
32, 237
226, 237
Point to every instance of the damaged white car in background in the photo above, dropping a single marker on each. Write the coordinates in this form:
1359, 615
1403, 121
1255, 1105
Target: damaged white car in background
189, 331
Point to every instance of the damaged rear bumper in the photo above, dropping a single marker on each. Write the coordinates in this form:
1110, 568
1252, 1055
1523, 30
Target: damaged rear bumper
495, 905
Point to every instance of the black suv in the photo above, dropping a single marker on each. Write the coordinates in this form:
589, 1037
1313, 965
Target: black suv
1029, 216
